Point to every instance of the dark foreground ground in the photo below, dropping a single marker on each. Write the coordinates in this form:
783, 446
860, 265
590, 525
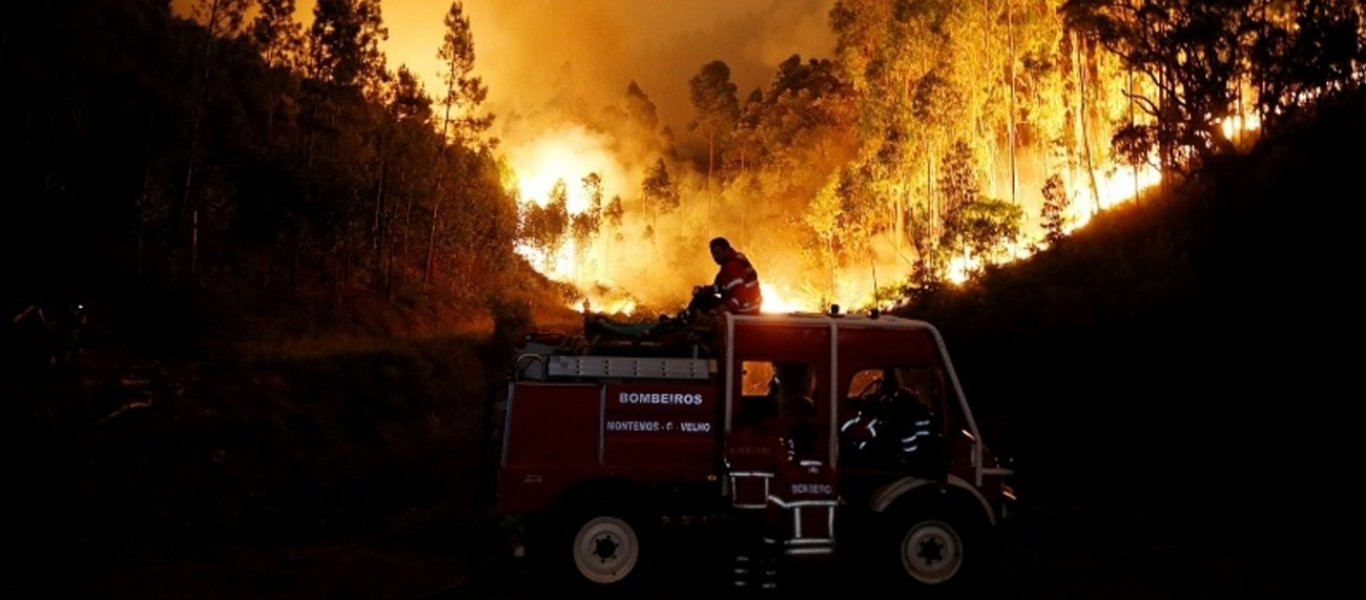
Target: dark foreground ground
1076, 553
1071, 554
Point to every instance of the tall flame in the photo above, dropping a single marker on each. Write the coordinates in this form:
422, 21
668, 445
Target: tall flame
567, 155
779, 298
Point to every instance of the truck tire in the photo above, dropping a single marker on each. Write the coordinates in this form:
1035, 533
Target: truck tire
605, 549
933, 549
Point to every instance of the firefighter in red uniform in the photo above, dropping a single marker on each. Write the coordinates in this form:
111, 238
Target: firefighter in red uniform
754, 450
736, 288
799, 521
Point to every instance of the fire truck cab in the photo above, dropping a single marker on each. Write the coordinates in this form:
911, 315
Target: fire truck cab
601, 451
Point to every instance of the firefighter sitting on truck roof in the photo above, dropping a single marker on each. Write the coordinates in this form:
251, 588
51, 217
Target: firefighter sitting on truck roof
736, 288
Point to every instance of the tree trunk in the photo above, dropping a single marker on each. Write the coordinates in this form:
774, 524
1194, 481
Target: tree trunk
270, 115
145, 198
1081, 117
897, 222
389, 265
711, 159
1131, 125
28, 139
196, 118
931, 198
194, 240
428, 272
376, 224
830, 257
299, 231
403, 248
1164, 158
186, 200
877, 304
1069, 135
1010, 123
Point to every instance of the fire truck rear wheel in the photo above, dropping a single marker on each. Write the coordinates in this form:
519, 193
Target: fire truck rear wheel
605, 550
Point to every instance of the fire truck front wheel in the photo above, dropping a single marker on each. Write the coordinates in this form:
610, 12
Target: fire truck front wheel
935, 549
604, 549
931, 551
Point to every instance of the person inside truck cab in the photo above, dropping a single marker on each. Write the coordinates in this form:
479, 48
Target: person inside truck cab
895, 425
914, 434
793, 390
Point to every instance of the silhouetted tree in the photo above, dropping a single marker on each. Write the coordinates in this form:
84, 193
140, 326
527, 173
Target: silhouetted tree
464, 92
658, 191
1056, 203
713, 96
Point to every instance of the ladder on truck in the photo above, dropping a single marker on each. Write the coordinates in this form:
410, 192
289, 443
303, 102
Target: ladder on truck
540, 366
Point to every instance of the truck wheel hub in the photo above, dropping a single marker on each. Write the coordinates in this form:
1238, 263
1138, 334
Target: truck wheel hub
606, 549
605, 546
931, 552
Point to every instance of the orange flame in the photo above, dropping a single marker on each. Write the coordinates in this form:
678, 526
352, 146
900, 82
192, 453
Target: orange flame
571, 153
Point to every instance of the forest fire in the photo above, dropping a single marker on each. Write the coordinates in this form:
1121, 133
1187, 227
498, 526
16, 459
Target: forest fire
833, 209
1238, 125
543, 170
277, 270
1115, 187
550, 177
779, 298
562, 180
566, 155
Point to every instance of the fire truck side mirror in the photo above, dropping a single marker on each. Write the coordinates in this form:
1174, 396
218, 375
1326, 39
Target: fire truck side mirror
834, 310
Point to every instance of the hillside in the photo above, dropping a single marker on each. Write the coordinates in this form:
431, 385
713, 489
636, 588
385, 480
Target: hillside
1171, 362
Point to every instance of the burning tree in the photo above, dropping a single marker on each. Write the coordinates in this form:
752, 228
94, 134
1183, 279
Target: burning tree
1304, 49
658, 191
823, 217
713, 95
544, 227
1055, 206
586, 224
614, 212
640, 108
1202, 60
974, 225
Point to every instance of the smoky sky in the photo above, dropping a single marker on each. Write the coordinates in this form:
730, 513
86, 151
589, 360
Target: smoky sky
522, 46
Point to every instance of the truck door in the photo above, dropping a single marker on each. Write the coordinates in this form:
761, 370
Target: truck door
783, 368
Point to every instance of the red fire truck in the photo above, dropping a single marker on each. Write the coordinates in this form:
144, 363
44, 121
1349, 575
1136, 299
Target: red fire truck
604, 444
